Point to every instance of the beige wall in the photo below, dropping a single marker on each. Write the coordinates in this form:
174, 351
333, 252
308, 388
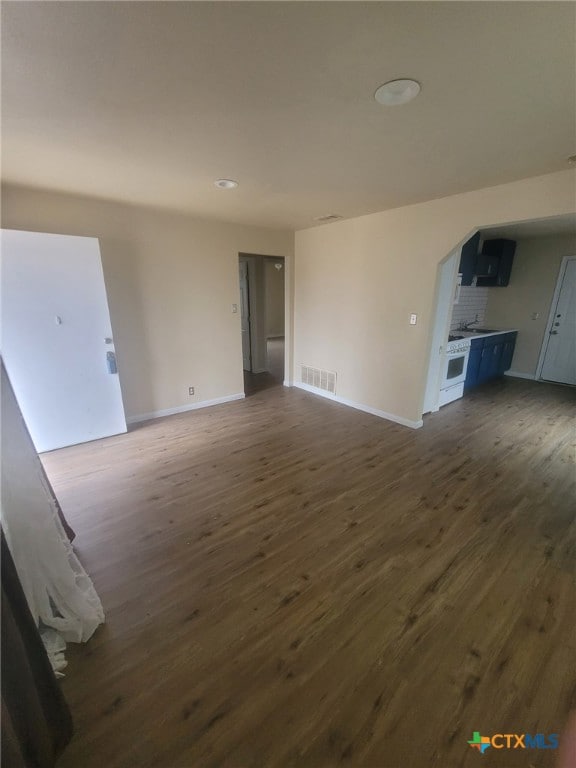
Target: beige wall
172, 279
274, 297
358, 280
171, 282
532, 283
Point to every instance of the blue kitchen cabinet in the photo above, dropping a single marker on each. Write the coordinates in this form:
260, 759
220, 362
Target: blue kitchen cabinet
496, 357
490, 357
507, 352
473, 363
494, 264
468, 256
487, 264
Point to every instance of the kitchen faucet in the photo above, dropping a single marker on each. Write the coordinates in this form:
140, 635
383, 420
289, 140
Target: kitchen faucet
465, 326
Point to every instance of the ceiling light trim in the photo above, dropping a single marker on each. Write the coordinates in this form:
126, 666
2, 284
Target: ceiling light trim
225, 183
396, 92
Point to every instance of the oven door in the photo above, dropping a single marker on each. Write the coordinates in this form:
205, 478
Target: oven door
454, 371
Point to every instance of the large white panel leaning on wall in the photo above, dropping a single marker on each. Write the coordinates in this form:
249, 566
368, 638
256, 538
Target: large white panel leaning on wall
59, 592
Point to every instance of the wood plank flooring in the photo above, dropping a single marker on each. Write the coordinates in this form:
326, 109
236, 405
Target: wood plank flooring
256, 382
289, 582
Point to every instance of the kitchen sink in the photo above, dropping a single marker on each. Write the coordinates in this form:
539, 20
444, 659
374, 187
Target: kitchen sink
481, 330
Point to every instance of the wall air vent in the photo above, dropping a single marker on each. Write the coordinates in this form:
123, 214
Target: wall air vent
315, 377
328, 217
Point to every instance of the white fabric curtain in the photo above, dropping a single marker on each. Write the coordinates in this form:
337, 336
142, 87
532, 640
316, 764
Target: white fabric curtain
59, 592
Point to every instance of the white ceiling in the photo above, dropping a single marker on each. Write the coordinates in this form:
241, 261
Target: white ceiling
550, 227
150, 102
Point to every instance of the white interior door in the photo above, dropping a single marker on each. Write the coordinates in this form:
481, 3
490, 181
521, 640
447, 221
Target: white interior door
245, 316
560, 354
57, 340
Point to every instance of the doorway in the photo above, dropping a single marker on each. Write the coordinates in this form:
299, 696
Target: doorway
558, 355
262, 309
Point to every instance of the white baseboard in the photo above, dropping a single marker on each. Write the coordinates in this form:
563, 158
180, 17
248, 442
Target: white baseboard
183, 408
360, 407
287, 383
517, 375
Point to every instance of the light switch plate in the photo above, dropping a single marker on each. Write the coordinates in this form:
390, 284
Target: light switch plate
413, 318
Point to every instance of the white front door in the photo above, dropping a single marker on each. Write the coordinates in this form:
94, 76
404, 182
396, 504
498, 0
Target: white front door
560, 355
245, 316
57, 340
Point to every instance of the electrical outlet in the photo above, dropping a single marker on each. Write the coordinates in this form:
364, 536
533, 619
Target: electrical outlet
190, 390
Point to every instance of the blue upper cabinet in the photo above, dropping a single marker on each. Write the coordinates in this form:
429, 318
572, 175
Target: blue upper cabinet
491, 267
494, 264
468, 257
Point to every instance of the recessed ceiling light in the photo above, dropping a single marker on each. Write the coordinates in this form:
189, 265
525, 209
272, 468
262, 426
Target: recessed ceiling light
397, 92
226, 184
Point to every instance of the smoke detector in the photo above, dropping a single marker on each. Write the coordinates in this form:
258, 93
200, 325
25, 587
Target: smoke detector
328, 217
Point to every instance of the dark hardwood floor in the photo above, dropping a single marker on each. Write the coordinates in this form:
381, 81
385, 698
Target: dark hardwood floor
289, 582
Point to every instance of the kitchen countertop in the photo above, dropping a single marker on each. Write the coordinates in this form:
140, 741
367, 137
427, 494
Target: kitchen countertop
480, 335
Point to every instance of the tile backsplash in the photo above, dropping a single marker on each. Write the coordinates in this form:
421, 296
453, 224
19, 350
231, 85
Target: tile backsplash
473, 301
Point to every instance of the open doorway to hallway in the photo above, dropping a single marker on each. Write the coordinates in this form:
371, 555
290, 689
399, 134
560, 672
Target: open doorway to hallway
262, 307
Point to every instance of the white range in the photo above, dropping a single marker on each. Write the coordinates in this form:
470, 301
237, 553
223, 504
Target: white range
454, 363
